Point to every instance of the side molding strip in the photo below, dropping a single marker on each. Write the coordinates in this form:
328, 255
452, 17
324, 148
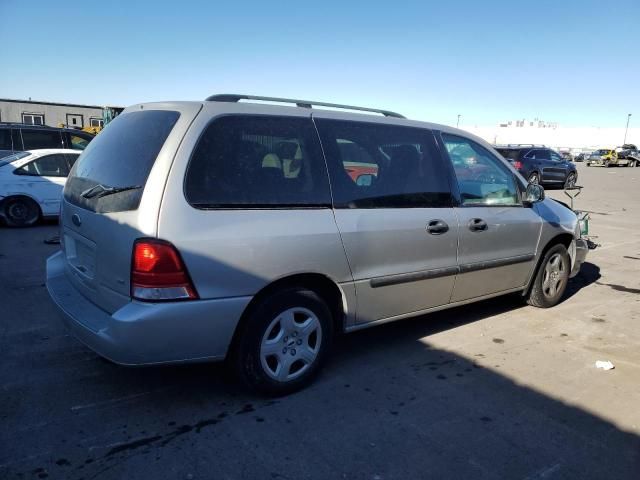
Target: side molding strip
447, 271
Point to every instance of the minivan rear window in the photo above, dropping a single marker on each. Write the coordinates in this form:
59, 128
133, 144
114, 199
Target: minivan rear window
120, 157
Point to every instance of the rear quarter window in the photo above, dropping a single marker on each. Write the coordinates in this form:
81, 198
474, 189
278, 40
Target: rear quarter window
257, 162
121, 156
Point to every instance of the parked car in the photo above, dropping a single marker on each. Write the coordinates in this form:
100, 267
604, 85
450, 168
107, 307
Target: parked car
628, 151
189, 232
568, 156
540, 164
31, 184
17, 137
608, 157
581, 157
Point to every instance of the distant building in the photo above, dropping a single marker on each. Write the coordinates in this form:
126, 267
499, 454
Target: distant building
50, 113
524, 123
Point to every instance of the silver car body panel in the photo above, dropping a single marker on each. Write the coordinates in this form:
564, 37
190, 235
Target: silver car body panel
385, 263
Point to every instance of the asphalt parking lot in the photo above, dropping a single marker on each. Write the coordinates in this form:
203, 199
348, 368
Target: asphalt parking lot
492, 390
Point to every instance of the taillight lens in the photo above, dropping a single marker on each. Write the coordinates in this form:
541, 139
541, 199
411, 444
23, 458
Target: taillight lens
517, 165
158, 273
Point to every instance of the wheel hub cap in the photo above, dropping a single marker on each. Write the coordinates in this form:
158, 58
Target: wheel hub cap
290, 344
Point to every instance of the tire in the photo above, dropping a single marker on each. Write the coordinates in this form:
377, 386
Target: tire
534, 178
20, 212
551, 278
571, 180
607, 163
283, 343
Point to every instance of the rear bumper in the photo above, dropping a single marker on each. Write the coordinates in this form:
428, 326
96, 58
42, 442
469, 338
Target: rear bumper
580, 255
146, 333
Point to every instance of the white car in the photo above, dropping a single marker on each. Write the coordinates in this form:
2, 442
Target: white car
31, 184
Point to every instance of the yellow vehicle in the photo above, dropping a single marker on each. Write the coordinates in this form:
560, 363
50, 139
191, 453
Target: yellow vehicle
605, 157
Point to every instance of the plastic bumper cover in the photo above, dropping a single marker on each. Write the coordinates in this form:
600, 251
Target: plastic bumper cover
146, 333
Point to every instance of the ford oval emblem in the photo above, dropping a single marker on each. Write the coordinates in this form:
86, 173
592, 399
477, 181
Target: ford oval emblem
76, 220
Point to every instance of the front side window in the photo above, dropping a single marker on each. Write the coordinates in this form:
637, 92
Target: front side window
482, 178
34, 139
556, 157
33, 118
55, 165
383, 166
257, 162
78, 141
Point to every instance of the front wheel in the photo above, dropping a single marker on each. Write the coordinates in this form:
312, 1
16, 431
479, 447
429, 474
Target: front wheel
570, 181
607, 163
534, 178
551, 279
21, 212
284, 342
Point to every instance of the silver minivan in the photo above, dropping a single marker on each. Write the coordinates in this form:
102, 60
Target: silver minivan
255, 232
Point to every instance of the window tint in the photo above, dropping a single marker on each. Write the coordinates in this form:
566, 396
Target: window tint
257, 161
48, 166
383, 166
509, 153
121, 156
482, 178
539, 154
34, 139
5, 139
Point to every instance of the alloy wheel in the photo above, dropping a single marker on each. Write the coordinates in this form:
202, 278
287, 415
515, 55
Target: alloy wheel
554, 276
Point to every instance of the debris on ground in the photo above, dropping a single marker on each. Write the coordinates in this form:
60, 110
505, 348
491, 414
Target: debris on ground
605, 365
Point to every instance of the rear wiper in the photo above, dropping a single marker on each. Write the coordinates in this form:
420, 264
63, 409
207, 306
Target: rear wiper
100, 190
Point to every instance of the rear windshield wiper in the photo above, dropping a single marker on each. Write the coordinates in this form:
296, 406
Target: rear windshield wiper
100, 190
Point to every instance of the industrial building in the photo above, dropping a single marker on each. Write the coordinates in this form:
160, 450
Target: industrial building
50, 113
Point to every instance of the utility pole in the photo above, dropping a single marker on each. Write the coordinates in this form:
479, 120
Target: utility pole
458, 122
625, 130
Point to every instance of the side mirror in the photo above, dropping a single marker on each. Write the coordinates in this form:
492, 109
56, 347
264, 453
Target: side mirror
533, 194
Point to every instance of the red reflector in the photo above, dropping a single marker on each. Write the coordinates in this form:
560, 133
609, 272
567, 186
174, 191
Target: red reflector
158, 272
517, 165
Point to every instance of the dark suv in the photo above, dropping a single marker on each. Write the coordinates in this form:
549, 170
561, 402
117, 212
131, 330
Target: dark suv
540, 164
15, 137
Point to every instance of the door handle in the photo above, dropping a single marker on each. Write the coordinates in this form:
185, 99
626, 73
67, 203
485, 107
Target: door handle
477, 225
437, 227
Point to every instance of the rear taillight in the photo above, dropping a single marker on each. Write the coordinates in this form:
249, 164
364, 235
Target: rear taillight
158, 273
517, 165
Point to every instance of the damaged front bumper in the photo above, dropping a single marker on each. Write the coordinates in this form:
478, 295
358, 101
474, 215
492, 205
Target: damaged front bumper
580, 248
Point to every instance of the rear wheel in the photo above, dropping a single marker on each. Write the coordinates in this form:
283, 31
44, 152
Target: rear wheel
284, 342
21, 212
534, 178
551, 279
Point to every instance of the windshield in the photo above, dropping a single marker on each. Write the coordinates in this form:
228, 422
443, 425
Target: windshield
13, 157
120, 157
601, 152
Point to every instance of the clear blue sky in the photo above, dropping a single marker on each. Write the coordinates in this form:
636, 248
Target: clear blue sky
574, 62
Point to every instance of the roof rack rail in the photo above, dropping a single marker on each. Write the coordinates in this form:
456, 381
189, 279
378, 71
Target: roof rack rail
231, 97
527, 145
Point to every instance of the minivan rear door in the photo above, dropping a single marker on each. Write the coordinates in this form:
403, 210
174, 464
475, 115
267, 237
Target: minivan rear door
113, 196
392, 204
